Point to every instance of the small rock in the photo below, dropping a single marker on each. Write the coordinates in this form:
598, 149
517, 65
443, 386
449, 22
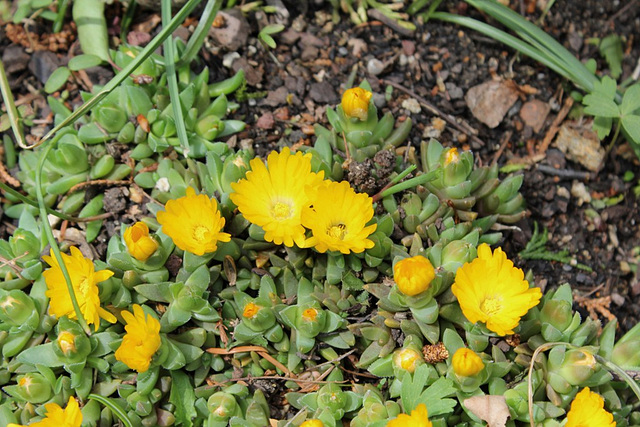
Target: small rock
323, 93
276, 97
252, 74
15, 59
408, 47
282, 113
42, 64
580, 192
556, 158
490, 101
308, 39
289, 37
379, 100
454, 91
309, 53
235, 31
266, 121
580, 144
434, 130
375, 66
534, 113
357, 46
227, 59
563, 192
138, 38
412, 105
115, 200
617, 299
343, 51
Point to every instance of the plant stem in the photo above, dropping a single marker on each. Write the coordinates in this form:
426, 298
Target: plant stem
12, 111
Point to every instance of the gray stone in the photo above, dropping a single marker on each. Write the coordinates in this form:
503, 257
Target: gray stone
42, 64
14, 59
580, 144
323, 93
375, 66
235, 31
490, 101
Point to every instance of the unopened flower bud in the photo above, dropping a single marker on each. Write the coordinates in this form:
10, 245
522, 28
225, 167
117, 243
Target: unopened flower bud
578, 366
72, 344
140, 245
456, 253
311, 320
312, 423
24, 245
222, 406
413, 275
355, 103
18, 309
407, 359
34, 388
466, 362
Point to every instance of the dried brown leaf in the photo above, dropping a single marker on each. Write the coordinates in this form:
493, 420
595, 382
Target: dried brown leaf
492, 409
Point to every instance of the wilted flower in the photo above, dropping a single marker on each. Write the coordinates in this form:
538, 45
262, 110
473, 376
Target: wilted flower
491, 290
338, 219
273, 196
312, 423
418, 418
58, 417
466, 362
141, 341
140, 245
355, 103
587, 410
451, 156
194, 223
413, 275
84, 279
407, 359
250, 310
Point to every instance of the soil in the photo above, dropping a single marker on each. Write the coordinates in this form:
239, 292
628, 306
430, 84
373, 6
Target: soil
439, 62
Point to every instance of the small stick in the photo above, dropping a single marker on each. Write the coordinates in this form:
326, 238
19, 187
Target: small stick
564, 173
506, 138
104, 182
555, 126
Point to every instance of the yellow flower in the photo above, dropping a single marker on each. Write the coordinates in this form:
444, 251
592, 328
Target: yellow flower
355, 103
273, 196
451, 156
194, 223
310, 314
466, 362
312, 423
58, 417
587, 410
140, 245
407, 359
413, 275
141, 341
67, 342
491, 290
338, 219
84, 279
250, 310
418, 418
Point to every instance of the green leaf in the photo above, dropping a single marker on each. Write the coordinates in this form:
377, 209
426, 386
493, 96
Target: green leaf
611, 50
268, 40
81, 62
40, 355
272, 29
602, 126
599, 105
57, 79
434, 397
631, 100
183, 397
631, 126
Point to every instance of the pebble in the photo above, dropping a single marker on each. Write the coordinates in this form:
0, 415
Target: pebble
379, 100
42, 64
375, 66
233, 35
534, 113
617, 299
412, 105
490, 101
580, 192
227, 59
343, 51
323, 93
580, 144
454, 91
563, 192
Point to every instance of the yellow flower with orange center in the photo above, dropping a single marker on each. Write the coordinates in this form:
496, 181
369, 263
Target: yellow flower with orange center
139, 244
418, 418
194, 223
67, 342
141, 341
250, 310
407, 359
587, 410
310, 314
491, 290
84, 279
58, 417
338, 219
466, 362
355, 103
312, 423
413, 275
273, 196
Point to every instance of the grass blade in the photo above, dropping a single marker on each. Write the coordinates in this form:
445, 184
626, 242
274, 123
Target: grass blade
12, 111
197, 38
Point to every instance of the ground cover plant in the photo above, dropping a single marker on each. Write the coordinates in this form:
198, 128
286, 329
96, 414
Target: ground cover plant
160, 268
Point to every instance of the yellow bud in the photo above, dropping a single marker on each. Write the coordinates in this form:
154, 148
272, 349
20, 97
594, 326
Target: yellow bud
413, 275
312, 423
140, 245
407, 359
310, 314
451, 156
251, 310
466, 363
67, 342
355, 103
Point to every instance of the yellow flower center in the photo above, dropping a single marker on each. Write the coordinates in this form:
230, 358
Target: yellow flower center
25, 382
337, 231
8, 302
491, 306
199, 232
452, 156
84, 286
250, 310
310, 314
407, 359
281, 211
220, 411
66, 341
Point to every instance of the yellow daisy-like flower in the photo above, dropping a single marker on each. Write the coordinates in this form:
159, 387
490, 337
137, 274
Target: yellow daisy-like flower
194, 223
58, 417
418, 418
413, 275
355, 103
312, 423
338, 219
587, 410
466, 362
140, 245
491, 290
141, 341
84, 279
273, 196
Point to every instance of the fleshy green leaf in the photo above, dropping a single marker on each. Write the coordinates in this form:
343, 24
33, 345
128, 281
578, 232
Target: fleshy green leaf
57, 79
183, 397
81, 62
